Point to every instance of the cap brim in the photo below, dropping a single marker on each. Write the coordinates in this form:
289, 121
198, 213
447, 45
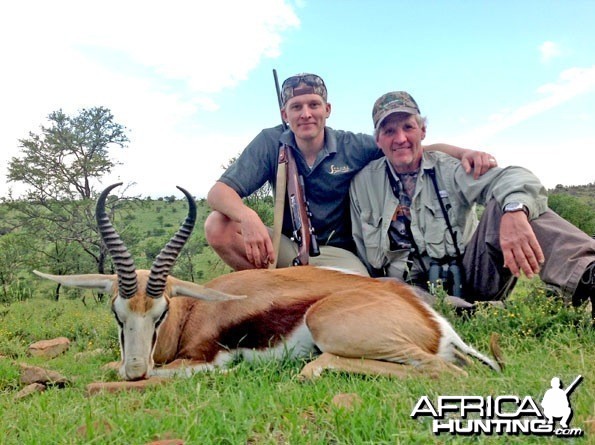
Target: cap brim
387, 113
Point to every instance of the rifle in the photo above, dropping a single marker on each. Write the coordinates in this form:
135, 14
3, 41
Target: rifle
573, 385
303, 232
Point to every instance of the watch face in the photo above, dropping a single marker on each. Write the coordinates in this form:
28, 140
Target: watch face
514, 207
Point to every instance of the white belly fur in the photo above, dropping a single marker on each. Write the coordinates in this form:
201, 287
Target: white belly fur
298, 344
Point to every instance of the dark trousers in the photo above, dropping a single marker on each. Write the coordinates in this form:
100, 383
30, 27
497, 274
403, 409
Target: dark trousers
567, 250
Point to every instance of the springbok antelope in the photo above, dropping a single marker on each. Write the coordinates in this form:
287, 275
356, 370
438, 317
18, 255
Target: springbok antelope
360, 324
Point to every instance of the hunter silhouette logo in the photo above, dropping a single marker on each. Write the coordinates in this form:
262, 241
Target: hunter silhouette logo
509, 414
556, 401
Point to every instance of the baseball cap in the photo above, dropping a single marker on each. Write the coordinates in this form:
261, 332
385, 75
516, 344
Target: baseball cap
393, 102
304, 83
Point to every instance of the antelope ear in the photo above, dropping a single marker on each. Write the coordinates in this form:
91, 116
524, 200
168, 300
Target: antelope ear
103, 283
181, 288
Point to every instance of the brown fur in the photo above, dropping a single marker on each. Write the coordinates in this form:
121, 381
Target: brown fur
278, 302
141, 303
359, 323
373, 367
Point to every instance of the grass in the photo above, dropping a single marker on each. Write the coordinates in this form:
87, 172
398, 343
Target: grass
266, 403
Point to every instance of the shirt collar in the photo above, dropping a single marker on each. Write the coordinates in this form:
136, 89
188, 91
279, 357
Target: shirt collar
391, 169
330, 140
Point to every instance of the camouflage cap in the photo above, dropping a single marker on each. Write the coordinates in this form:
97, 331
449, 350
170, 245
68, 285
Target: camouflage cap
303, 83
393, 102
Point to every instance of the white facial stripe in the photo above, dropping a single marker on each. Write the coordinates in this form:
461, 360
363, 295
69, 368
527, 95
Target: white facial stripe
138, 332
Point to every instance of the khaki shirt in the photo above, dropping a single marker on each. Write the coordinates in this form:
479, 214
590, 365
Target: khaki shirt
373, 205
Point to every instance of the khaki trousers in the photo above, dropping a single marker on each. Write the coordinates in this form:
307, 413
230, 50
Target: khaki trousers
567, 250
332, 257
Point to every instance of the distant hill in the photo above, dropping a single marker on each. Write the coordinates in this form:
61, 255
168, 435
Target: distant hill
585, 193
575, 190
576, 204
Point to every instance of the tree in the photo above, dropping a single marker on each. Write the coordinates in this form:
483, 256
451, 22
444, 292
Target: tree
62, 161
59, 167
186, 265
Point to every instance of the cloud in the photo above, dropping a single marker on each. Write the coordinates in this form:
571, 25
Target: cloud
571, 83
154, 64
549, 50
198, 43
208, 45
549, 162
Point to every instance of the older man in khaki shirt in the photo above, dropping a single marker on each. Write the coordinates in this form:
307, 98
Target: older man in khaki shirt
414, 210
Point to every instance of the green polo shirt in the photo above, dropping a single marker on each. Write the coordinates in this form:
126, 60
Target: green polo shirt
326, 183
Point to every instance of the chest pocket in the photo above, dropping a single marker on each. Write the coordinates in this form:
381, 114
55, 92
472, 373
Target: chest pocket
372, 234
435, 230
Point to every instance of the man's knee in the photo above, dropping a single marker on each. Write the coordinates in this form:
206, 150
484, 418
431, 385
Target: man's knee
215, 226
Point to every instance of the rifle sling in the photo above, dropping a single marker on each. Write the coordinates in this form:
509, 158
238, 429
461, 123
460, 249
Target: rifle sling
280, 189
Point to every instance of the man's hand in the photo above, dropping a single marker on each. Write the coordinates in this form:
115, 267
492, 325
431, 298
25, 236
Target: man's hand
478, 161
257, 241
519, 245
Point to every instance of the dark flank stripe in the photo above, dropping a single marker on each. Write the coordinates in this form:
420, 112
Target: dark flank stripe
265, 329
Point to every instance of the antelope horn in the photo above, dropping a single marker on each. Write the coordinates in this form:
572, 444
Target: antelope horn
123, 262
168, 255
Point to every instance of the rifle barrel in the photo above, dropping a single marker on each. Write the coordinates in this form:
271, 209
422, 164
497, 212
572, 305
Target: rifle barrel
279, 101
573, 385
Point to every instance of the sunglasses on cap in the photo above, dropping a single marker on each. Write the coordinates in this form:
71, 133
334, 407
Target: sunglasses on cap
310, 84
309, 79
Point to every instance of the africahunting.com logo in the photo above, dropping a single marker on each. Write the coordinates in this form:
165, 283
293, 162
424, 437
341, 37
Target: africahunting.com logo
510, 415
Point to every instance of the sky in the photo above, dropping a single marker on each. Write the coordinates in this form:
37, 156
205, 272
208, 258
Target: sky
192, 80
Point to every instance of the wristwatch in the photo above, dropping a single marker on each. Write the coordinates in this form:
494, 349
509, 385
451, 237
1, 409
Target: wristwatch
516, 207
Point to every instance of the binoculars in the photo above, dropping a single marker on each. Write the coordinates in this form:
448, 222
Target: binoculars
449, 274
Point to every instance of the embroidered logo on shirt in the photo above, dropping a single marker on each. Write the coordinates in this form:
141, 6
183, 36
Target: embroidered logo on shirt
336, 169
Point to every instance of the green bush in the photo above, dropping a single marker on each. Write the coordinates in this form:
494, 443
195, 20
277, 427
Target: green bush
574, 210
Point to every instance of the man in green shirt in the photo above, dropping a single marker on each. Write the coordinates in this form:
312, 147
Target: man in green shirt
414, 218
